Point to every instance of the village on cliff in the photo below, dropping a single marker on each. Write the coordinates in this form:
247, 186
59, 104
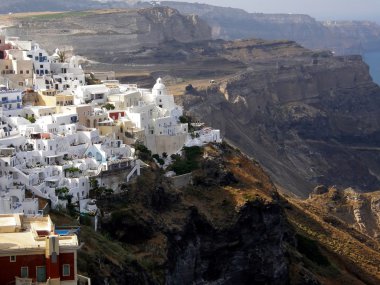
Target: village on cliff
61, 130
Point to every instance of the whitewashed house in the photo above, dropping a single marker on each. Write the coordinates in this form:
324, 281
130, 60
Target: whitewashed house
158, 116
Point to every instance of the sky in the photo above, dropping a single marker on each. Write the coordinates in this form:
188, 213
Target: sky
320, 9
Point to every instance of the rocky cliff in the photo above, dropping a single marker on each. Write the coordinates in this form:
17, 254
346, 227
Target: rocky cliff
230, 226
351, 37
310, 118
226, 229
343, 37
358, 210
108, 35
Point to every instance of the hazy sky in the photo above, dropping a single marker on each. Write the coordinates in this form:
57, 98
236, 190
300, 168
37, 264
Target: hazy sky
320, 9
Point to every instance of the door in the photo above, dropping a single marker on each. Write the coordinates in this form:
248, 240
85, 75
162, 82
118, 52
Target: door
41, 274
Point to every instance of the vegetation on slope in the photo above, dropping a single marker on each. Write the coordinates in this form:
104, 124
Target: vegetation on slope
146, 233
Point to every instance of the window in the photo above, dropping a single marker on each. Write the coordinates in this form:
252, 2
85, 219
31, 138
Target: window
24, 272
27, 72
12, 258
66, 270
21, 72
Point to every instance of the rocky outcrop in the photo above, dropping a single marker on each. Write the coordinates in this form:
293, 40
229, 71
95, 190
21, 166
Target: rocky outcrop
358, 210
310, 118
246, 253
241, 233
216, 234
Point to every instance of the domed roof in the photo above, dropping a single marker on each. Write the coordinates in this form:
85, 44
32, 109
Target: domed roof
159, 85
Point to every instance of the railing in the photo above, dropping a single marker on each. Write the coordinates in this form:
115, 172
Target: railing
83, 280
10, 101
136, 169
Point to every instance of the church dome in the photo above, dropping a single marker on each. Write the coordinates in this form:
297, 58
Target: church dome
159, 85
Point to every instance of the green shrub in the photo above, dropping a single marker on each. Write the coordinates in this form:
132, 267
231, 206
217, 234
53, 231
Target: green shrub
156, 156
143, 152
109, 106
189, 162
31, 119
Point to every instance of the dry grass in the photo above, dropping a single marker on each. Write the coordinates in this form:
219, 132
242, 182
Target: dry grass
360, 258
221, 204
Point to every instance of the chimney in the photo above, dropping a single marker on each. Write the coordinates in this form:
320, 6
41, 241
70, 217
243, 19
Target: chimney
52, 257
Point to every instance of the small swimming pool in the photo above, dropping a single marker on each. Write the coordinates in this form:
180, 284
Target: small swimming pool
62, 232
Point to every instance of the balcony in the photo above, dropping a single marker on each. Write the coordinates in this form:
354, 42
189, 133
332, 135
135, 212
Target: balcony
7, 72
11, 101
29, 281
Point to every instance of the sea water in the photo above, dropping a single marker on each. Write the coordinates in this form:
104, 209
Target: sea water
373, 60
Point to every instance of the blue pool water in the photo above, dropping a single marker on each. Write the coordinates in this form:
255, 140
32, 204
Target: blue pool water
373, 60
62, 232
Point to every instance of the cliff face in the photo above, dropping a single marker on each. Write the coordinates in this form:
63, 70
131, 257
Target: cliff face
309, 119
342, 37
108, 35
350, 37
231, 227
246, 253
227, 229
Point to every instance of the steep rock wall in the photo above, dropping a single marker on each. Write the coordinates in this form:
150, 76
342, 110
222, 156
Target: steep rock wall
308, 119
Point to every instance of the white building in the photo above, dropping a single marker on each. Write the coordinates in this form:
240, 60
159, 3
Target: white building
158, 116
41, 60
12, 194
97, 94
10, 101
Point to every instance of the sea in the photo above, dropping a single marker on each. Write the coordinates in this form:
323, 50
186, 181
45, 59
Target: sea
373, 60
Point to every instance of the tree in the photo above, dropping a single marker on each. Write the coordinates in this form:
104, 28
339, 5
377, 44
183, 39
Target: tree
62, 193
61, 56
109, 106
183, 119
94, 183
31, 119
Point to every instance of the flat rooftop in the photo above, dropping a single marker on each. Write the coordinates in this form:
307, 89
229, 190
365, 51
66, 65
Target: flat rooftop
20, 233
